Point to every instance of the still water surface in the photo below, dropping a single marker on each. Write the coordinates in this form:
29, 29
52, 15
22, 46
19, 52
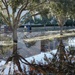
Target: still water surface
48, 45
34, 48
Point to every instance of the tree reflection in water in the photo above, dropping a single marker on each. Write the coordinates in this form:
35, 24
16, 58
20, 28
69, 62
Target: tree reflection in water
61, 49
29, 44
16, 59
64, 58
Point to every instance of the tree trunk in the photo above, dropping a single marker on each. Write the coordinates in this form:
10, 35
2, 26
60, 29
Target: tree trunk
61, 30
61, 22
15, 40
0, 28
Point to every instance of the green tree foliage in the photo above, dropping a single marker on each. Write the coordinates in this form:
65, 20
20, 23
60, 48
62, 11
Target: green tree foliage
69, 22
37, 20
15, 8
15, 3
1, 22
62, 10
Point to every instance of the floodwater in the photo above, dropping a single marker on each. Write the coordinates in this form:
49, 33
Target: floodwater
27, 49
48, 45
36, 47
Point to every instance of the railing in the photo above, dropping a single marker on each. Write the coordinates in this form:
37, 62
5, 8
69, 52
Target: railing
45, 28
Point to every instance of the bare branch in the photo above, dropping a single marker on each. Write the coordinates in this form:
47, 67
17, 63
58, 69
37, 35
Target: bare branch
6, 7
20, 11
24, 8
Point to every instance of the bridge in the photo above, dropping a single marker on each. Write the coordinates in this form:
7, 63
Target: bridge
37, 28
45, 28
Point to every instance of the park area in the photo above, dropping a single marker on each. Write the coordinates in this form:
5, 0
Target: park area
37, 37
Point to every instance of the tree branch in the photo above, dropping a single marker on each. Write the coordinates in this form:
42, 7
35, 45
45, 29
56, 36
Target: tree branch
34, 7
6, 7
7, 10
20, 11
4, 19
30, 16
24, 8
38, 4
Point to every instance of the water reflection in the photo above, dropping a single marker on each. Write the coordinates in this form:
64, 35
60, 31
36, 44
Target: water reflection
5, 51
29, 44
44, 45
47, 45
32, 48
